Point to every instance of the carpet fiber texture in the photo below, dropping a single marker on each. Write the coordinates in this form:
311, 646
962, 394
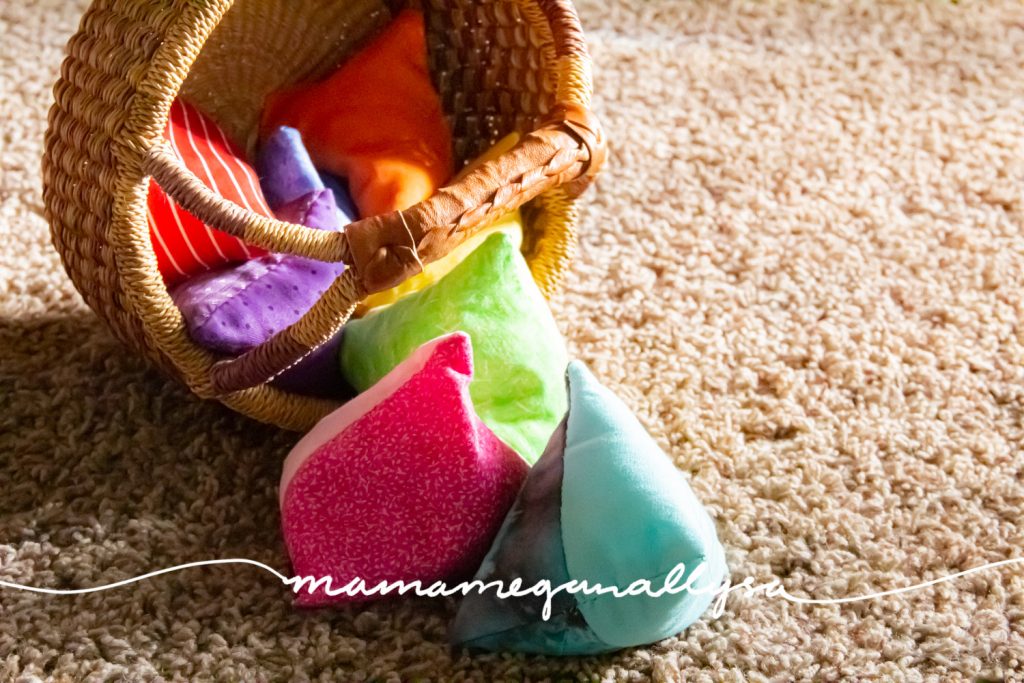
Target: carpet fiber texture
803, 269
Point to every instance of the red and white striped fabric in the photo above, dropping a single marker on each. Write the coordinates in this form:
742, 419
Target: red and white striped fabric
184, 245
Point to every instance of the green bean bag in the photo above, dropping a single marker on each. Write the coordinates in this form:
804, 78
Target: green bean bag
518, 353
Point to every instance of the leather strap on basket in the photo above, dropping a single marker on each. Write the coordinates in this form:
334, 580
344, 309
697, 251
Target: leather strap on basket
386, 250
587, 128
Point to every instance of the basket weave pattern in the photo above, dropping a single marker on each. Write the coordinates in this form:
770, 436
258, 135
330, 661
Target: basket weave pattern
499, 66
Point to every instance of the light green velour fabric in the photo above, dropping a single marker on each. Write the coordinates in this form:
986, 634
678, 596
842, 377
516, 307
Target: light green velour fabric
519, 356
629, 514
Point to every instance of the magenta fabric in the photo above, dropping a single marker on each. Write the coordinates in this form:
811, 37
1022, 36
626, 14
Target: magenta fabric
404, 482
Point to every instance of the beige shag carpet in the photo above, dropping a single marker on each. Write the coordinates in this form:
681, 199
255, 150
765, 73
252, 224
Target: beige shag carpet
804, 269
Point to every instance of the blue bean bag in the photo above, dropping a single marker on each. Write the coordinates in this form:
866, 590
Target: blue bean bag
603, 504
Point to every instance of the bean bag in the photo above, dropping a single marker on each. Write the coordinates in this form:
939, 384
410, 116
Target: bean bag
235, 308
403, 482
183, 244
605, 505
377, 121
518, 352
238, 307
286, 173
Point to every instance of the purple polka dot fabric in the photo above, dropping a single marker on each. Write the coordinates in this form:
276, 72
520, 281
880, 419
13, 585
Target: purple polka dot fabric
231, 311
237, 308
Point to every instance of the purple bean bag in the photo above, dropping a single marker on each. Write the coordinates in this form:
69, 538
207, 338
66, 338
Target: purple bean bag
285, 169
286, 173
234, 309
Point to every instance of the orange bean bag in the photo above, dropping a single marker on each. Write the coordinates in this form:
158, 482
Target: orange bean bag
377, 121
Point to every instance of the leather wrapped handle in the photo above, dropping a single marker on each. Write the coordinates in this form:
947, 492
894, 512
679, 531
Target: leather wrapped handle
388, 249
383, 251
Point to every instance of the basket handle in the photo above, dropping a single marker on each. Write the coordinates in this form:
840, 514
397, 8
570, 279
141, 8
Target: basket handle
388, 249
189, 192
289, 346
383, 251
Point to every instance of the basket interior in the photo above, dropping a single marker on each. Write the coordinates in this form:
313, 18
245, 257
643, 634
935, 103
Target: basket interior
492, 67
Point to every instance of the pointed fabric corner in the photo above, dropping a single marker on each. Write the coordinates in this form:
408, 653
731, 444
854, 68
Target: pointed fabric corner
605, 505
629, 514
402, 483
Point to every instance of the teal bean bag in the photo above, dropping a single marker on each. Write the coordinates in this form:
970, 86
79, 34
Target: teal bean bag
603, 504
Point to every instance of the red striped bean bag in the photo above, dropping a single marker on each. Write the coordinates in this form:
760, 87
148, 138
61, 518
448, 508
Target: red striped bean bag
184, 245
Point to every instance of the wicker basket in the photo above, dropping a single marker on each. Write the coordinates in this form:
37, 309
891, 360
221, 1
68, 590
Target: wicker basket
499, 65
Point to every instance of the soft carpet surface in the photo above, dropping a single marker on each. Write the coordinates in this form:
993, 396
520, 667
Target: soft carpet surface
803, 269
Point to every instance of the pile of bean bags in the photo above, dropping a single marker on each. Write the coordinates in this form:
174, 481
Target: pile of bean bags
469, 446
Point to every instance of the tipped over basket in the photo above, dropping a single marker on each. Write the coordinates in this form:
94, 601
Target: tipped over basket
499, 66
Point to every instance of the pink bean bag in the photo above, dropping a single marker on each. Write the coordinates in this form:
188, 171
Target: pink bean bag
404, 482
